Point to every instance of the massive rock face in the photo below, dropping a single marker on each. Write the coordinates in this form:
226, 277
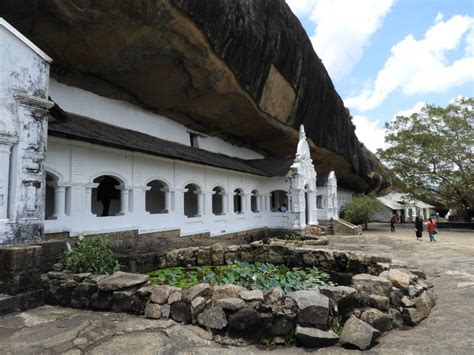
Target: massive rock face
242, 70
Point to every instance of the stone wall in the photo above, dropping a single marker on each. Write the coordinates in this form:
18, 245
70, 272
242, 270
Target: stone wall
354, 315
21, 267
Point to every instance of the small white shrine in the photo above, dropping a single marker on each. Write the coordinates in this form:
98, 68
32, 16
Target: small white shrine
94, 165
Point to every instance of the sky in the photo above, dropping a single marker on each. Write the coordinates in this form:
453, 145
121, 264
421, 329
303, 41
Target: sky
390, 57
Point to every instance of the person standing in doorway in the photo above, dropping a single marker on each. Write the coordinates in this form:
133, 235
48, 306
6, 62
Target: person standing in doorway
418, 228
432, 226
393, 220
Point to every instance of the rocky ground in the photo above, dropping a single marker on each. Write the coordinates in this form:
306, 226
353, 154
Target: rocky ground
449, 264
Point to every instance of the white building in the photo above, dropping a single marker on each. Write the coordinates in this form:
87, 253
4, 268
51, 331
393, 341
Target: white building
97, 165
405, 206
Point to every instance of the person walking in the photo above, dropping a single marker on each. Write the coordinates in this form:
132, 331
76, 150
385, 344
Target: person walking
393, 220
432, 229
418, 228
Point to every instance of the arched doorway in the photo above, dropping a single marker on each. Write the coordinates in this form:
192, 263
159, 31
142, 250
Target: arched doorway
279, 201
218, 200
155, 197
106, 197
191, 200
238, 201
254, 201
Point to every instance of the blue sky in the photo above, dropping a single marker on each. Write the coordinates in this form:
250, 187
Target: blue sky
389, 57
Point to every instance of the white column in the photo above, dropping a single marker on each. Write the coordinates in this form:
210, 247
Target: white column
168, 200
225, 201
199, 203
413, 213
257, 198
6, 143
268, 205
59, 201
124, 203
88, 198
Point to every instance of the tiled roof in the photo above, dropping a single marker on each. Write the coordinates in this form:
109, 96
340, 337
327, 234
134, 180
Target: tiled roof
89, 130
273, 166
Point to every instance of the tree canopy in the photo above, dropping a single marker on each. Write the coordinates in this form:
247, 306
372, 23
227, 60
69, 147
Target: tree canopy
359, 209
432, 153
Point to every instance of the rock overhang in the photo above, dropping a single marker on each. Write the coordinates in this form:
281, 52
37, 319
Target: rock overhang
243, 71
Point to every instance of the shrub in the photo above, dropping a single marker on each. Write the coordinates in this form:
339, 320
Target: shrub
359, 209
262, 276
91, 255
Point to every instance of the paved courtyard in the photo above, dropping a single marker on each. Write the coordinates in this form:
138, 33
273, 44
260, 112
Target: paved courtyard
449, 264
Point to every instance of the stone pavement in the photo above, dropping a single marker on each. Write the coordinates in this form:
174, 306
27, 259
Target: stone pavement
449, 264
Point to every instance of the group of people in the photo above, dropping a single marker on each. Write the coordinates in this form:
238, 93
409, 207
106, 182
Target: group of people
431, 226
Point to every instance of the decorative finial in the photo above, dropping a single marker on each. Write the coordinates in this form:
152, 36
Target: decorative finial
302, 133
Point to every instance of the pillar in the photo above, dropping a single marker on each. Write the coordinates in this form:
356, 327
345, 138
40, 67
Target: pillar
199, 203
225, 202
168, 200
124, 201
59, 201
268, 206
88, 198
6, 142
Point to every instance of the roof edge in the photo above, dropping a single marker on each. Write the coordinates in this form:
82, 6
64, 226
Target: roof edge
25, 40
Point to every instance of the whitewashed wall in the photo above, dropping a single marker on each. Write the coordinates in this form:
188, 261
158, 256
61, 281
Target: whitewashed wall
24, 76
77, 164
124, 114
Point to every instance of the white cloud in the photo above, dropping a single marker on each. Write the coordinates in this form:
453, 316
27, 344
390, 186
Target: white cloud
439, 17
415, 109
369, 133
342, 29
421, 66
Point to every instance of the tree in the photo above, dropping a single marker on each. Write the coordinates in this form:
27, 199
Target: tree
359, 209
432, 153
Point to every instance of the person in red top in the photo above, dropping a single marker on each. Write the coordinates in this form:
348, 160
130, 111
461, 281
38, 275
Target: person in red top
431, 226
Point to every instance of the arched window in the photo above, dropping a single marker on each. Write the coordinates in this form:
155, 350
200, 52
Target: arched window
279, 201
49, 198
254, 201
218, 200
192, 201
238, 201
155, 197
106, 196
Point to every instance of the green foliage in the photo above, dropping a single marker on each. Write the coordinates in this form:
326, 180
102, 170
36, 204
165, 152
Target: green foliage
360, 208
262, 276
432, 153
91, 255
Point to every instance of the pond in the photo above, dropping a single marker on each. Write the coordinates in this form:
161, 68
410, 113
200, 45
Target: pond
258, 275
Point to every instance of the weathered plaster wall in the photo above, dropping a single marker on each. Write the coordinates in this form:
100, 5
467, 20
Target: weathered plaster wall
24, 79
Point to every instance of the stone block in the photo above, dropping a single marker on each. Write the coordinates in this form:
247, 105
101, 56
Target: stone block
315, 338
201, 290
120, 280
231, 304
399, 278
227, 291
372, 285
313, 308
153, 311
251, 296
181, 312
213, 318
358, 333
20, 258
377, 319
